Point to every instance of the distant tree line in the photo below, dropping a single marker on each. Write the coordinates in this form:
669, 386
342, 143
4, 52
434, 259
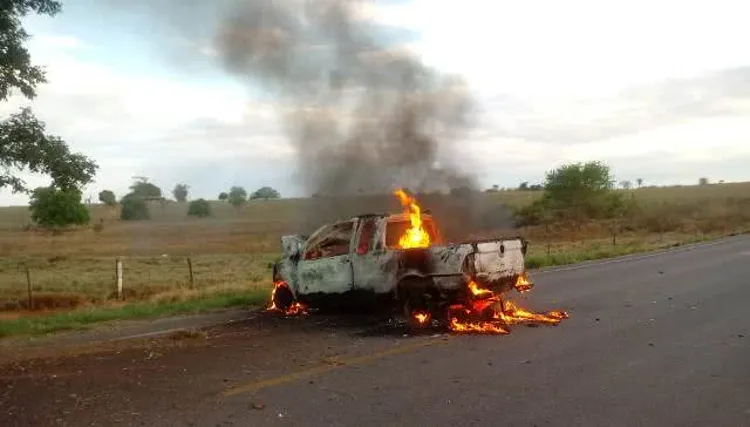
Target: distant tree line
134, 205
52, 207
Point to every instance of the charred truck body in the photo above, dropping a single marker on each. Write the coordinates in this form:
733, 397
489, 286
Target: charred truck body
361, 259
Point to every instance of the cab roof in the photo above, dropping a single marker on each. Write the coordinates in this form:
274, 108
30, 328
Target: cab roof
401, 216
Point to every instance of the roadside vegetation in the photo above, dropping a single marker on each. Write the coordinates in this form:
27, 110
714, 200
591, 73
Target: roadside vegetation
78, 319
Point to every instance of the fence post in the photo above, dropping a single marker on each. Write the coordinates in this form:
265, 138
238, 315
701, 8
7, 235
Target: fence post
190, 270
661, 230
28, 288
118, 272
615, 231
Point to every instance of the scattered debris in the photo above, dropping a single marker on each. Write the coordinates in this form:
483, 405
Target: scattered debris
185, 334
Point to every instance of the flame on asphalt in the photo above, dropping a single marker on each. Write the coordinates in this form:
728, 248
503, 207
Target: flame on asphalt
487, 312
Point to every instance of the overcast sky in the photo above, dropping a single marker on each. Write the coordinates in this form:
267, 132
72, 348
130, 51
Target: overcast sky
658, 90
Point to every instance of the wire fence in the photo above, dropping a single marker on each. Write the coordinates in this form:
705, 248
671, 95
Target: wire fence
60, 282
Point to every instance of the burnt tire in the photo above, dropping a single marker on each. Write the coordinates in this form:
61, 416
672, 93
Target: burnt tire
283, 298
418, 295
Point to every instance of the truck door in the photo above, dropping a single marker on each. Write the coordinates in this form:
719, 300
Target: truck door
374, 268
326, 266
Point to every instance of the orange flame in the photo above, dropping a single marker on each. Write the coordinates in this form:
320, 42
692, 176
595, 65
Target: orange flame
492, 315
415, 236
295, 308
422, 318
522, 284
477, 291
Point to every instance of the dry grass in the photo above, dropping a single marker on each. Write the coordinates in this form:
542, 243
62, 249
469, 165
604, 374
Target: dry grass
80, 280
233, 249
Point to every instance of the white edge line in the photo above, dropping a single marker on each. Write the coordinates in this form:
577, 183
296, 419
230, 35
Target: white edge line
171, 330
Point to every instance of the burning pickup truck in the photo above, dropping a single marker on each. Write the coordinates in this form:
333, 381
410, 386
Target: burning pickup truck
401, 260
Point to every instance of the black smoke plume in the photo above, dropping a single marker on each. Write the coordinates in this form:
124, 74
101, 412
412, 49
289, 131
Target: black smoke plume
365, 116
364, 113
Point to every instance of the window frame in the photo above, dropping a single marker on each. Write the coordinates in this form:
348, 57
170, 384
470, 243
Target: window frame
320, 237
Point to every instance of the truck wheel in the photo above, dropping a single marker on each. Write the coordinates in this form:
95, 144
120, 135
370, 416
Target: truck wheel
411, 293
282, 298
416, 319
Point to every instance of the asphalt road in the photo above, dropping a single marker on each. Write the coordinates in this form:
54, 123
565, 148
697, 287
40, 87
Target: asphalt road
660, 340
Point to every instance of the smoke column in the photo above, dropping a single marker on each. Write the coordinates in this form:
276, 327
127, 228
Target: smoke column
364, 114
365, 117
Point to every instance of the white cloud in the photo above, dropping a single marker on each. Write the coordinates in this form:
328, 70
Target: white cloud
642, 85
129, 122
717, 147
578, 47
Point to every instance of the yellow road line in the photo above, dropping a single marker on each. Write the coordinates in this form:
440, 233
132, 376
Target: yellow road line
338, 363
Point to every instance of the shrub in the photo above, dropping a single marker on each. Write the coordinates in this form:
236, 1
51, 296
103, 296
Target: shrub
237, 196
51, 207
200, 208
577, 193
265, 193
134, 209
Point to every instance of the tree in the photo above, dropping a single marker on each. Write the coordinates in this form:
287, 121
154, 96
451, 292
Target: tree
703, 181
640, 182
524, 186
575, 192
107, 197
237, 196
180, 192
625, 184
265, 193
200, 208
24, 143
143, 189
223, 196
133, 208
52, 207
570, 183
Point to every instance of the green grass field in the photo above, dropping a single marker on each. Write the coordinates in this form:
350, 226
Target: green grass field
231, 251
